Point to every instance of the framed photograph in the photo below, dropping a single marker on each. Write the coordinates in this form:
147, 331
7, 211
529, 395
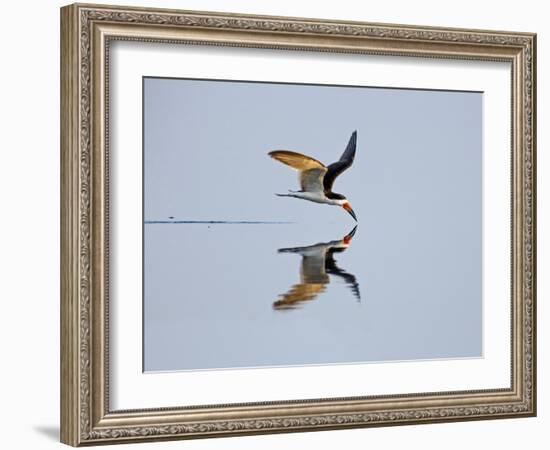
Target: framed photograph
206, 291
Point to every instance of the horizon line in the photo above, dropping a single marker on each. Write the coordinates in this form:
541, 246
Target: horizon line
229, 222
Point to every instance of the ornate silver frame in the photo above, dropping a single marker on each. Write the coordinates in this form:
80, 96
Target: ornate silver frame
86, 31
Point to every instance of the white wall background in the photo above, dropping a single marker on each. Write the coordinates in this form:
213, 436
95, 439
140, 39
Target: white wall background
29, 237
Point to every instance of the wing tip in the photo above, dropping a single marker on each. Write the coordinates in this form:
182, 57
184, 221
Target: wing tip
277, 153
352, 143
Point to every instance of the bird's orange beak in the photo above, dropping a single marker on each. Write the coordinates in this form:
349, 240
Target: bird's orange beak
348, 208
348, 237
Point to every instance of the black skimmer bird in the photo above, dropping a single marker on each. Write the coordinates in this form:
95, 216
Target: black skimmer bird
317, 264
316, 179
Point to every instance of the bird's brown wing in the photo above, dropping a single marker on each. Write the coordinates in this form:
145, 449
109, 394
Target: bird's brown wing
311, 170
296, 160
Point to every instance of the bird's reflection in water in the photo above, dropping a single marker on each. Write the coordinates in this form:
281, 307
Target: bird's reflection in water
317, 264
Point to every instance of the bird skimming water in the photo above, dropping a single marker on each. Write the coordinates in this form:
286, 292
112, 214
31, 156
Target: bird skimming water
316, 179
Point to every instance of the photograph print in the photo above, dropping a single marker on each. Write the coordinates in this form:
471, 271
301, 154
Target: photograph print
291, 224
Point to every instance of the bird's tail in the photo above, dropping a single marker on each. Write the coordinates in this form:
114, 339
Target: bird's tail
283, 195
290, 194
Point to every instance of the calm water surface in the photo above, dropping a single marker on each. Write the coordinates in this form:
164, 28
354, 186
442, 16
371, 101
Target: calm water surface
229, 295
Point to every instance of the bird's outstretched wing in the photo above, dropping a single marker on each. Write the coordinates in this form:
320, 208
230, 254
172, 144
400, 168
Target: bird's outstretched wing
311, 170
296, 160
345, 161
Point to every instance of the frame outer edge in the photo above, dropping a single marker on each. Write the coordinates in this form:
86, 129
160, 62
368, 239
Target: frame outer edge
535, 374
69, 183
533, 217
81, 412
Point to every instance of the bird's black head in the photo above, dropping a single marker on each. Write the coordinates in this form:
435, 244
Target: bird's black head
335, 196
343, 202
